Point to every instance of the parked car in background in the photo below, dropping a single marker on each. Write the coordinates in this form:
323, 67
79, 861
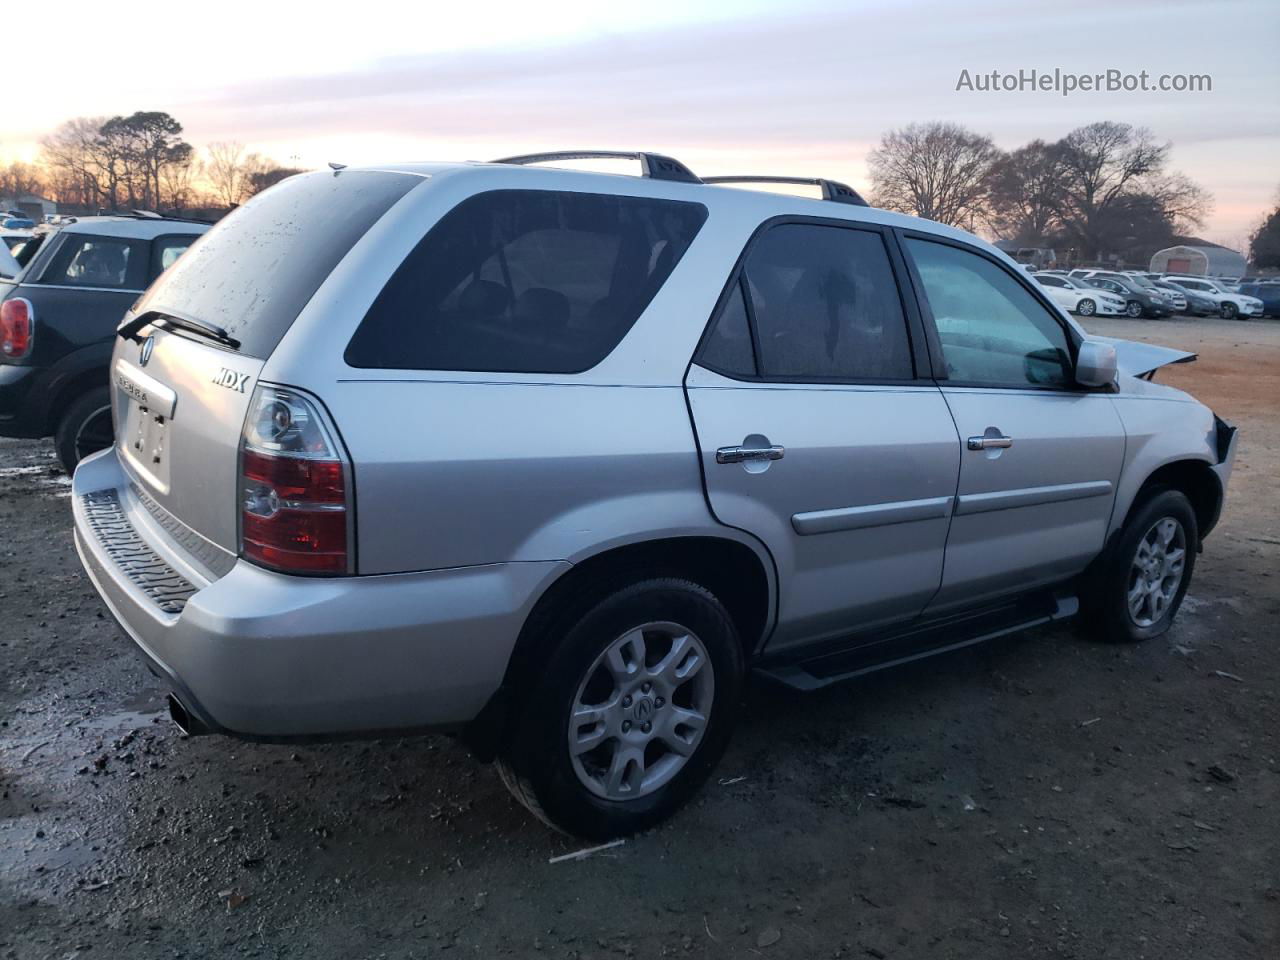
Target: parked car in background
1193, 304
58, 318
14, 239
1267, 292
1230, 303
1139, 301
1084, 301
17, 223
554, 458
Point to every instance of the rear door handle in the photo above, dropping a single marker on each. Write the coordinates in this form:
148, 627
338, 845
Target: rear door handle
990, 443
745, 454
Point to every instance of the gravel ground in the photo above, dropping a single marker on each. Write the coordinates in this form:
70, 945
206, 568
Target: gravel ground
1041, 796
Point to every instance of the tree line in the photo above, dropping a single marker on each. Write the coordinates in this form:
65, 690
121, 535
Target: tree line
141, 162
1104, 190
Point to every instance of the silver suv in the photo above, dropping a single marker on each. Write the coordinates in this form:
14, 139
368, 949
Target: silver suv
553, 458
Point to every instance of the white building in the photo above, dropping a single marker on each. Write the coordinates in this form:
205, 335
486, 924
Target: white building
1202, 259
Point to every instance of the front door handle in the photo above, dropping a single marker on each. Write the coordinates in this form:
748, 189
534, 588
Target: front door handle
990, 443
746, 454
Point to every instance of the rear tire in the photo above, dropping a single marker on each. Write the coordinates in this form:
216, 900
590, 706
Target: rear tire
85, 428
584, 763
1137, 589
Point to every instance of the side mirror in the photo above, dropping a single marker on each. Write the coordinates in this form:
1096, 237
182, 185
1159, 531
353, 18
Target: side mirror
1096, 364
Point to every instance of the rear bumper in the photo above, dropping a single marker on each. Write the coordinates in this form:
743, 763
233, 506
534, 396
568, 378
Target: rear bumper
266, 656
22, 410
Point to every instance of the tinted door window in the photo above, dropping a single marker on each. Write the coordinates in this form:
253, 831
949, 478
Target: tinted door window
992, 330
532, 281
93, 261
728, 347
825, 305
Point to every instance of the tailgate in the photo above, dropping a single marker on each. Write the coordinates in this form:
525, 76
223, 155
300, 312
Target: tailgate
179, 405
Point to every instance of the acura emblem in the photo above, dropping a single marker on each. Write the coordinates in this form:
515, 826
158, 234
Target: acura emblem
144, 352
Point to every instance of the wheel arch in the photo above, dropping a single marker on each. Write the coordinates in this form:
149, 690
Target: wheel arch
738, 572
1196, 479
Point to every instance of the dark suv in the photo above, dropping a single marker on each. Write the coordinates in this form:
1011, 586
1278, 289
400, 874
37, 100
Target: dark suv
58, 319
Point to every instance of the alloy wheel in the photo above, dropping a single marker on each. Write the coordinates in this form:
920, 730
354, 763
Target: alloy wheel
1133, 309
1085, 308
1156, 572
641, 711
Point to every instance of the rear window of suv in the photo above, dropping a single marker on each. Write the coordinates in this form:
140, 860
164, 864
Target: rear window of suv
254, 272
525, 281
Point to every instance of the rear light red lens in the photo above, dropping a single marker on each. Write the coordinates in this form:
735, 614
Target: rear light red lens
297, 541
15, 327
294, 510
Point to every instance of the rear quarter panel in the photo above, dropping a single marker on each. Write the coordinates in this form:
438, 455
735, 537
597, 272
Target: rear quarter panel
452, 474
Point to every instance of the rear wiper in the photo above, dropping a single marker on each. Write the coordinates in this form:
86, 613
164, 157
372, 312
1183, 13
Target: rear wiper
130, 329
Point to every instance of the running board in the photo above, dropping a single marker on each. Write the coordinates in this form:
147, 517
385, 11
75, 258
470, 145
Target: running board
859, 655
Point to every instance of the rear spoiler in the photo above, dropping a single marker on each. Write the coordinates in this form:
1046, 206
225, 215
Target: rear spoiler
1144, 359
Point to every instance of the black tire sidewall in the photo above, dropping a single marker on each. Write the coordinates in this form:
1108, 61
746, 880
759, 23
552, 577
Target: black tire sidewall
1113, 611
83, 407
1229, 311
1130, 312
537, 749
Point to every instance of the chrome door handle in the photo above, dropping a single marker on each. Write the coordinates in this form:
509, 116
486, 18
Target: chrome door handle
990, 443
743, 454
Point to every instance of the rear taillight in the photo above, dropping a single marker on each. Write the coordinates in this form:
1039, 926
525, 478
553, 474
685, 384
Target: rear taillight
15, 327
295, 496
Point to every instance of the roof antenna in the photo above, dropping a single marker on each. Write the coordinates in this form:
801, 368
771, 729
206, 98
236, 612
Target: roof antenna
335, 167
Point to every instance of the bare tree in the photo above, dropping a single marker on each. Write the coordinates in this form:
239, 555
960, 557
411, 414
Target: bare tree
937, 170
67, 154
1185, 203
224, 171
1102, 164
19, 178
1026, 193
115, 161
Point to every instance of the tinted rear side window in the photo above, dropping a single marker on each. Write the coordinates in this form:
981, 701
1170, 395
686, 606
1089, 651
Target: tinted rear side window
96, 261
254, 272
525, 281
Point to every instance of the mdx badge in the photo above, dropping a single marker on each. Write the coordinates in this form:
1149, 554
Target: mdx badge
228, 378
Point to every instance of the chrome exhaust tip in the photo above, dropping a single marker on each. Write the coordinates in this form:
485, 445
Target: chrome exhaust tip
183, 718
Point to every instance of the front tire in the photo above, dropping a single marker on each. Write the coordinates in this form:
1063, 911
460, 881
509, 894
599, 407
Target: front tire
1138, 589
1229, 311
85, 428
1086, 307
1133, 309
625, 717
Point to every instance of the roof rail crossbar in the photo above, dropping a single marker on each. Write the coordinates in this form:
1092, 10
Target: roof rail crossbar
832, 190
652, 165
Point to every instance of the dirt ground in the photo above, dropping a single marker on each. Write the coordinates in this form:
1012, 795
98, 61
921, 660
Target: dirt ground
1042, 796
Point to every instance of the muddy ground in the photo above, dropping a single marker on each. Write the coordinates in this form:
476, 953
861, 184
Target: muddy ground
1043, 796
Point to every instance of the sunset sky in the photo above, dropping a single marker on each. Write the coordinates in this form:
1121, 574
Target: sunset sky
804, 87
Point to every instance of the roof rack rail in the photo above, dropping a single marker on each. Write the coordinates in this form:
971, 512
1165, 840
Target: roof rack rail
832, 190
652, 165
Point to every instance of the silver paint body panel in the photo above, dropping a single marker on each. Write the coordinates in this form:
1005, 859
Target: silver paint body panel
476, 491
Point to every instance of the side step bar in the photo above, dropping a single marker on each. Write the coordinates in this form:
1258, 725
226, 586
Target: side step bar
865, 654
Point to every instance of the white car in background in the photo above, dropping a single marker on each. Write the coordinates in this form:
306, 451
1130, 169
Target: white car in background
1230, 304
1079, 298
